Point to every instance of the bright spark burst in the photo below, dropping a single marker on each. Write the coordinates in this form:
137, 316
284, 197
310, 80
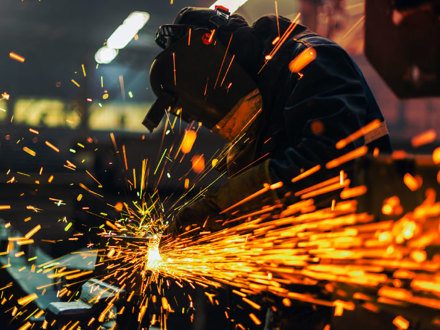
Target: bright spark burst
384, 262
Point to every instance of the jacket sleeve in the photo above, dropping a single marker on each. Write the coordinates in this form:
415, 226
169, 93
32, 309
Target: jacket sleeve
248, 191
329, 102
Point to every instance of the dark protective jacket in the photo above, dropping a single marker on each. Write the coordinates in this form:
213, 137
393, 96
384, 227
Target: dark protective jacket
304, 116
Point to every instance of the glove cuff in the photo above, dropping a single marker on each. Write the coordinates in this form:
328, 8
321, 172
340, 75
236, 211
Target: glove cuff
247, 191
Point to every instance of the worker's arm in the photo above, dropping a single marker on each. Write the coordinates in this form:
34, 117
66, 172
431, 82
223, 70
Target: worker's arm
209, 212
328, 103
331, 95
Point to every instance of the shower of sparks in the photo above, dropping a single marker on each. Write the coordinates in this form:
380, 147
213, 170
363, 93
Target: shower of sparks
329, 247
386, 262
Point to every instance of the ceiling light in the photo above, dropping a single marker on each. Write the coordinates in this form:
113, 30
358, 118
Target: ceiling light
105, 55
127, 30
122, 36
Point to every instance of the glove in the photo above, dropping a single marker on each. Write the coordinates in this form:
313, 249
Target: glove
209, 212
201, 213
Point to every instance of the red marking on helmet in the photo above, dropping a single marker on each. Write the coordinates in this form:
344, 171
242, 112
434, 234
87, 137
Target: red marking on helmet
205, 38
222, 8
208, 37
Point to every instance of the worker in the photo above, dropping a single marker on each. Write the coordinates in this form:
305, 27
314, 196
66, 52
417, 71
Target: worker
280, 123
281, 116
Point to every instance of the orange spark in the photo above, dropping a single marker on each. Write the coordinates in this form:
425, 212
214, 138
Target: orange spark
26, 326
25, 242
125, 157
253, 304
227, 70
424, 138
306, 173
392, 206
283, 38
198, 163
255, 319
413, 183
5, 96
353, 192
188, 141
108, 223
165, 304
33, 131
324, 190
436, 155
376, 152
174, 68
307, 56
26, 300
29, 151
75, 83
418, 255
359, 133
241, 294
111, 253
90, 191
322, 184
17, 57
223, 62
112, 136
50, 145
32, 231
119, 207
359, 152
94, 179
83, 70
399, 154
189, 37
401, 322
73, 276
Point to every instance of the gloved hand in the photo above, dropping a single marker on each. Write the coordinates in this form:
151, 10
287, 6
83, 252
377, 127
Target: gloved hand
211, 207
201, 213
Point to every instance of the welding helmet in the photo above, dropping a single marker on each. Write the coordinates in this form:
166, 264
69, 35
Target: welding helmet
198, 78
